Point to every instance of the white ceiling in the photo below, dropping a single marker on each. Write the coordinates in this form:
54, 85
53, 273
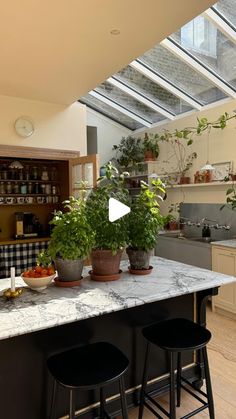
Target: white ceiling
58, 50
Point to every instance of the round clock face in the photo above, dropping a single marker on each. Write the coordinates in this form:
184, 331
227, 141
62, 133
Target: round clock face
24, 127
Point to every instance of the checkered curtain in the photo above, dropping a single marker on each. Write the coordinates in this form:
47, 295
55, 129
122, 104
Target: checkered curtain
23, 256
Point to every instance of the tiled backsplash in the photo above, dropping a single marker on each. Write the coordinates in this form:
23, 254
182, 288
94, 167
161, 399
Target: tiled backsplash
196, 212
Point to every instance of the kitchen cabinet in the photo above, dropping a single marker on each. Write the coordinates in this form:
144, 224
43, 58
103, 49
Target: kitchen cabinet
224, 261
46, 179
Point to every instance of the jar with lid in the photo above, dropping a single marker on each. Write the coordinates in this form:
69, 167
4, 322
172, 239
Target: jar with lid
36, 188
54, 173
48, 189
54, 190
23, 188
2, 188
34, 174
44, 175
30, 187
16, 188
9, 187
42, 187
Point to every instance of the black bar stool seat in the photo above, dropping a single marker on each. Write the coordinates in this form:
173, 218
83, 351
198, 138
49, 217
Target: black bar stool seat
175, 336
89, 367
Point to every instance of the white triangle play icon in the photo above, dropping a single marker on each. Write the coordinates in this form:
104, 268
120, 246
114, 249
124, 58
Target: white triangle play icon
117, 210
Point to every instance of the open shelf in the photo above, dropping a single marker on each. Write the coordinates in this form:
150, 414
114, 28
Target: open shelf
200, 185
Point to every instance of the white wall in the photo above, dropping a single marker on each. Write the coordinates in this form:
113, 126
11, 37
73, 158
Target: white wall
56, 126
108, 134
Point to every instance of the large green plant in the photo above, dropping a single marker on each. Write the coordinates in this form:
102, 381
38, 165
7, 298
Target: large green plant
145, 219
150, 143
129, 151
108, 235
72, 236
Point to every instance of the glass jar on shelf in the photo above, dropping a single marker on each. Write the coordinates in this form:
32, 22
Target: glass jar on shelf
4, 172
43, 188
16, 188
34, 173
2, 188
27, 173
48, 189
9, 187
23, 188
36, 188
44, 175
54, 173
30, 187
54, 190
21, 177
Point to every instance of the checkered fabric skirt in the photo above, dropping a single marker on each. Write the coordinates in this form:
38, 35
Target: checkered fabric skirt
23, 256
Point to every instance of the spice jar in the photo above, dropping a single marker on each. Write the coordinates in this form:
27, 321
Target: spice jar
2, 188
30, 187
16, 188
44, 175
54, 190
23, 188
9, 187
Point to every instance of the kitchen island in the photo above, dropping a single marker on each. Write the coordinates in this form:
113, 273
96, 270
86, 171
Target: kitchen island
37, 325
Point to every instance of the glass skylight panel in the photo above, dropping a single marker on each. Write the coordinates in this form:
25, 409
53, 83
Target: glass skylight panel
204, 41
110, 112
125, 100
228, 9
152, 91
181, 75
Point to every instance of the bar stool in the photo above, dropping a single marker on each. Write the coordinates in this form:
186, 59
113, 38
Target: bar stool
176, 336
89, 367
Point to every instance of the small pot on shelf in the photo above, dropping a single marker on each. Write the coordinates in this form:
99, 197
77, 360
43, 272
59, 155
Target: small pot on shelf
149, 156
139, 261
184, 180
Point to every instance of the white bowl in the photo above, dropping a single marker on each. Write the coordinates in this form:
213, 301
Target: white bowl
38, 284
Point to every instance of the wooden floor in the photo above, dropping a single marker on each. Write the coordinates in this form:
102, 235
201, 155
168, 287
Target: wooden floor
222, 359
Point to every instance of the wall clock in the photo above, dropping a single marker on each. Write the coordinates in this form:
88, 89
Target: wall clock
24, 127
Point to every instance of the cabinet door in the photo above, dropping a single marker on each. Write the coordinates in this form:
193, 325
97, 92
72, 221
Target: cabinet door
224, 261
83, 169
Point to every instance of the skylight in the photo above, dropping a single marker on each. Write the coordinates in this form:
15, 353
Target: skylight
194, 67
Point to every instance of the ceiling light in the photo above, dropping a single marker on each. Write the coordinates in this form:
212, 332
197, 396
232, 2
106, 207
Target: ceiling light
115, 32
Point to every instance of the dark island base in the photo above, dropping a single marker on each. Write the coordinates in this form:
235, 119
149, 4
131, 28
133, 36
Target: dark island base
25, 384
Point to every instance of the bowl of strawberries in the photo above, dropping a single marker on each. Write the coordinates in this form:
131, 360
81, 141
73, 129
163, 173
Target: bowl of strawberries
39, 278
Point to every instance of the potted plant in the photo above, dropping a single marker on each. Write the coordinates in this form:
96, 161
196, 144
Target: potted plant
71, 239
145, 221
150, 146
110, 237
129, 151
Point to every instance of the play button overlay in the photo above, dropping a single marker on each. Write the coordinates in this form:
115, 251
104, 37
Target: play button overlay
117, 210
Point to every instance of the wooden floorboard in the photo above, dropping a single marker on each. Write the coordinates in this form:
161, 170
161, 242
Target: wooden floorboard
222, 359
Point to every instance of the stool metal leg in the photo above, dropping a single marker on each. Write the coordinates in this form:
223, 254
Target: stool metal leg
179, 368
102, 404
72, 407
53, 400
172, 386
123, 398
208, 384
144, 383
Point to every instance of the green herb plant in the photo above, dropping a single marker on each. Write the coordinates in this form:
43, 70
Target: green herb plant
44, 259
145, 219
72, 236
150, 143
112, 236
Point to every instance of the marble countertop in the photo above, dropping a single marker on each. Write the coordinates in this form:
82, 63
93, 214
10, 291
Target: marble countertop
226, 243
55, 306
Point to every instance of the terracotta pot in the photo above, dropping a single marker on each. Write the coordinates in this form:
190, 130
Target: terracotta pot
69, 270
173, 225
148, 156
184, 180
139, 259
104, 262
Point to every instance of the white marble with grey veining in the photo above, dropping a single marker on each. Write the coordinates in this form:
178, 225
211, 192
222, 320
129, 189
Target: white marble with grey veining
226, 243
56, 306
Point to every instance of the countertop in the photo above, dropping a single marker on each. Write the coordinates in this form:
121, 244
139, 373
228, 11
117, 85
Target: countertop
57, 306
20, 241
226, 243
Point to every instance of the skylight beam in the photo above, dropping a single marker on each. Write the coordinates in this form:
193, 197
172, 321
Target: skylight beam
125, 88
193, 62
220, 23
137, 65
120, 109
